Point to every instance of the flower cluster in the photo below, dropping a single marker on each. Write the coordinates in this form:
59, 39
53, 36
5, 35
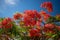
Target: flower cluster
48, 6
31, 17
6, 23
33, 24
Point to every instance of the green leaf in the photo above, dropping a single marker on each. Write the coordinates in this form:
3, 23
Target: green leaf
57, 18
51, 19
1, 31
49, 34
54, 35
1, 19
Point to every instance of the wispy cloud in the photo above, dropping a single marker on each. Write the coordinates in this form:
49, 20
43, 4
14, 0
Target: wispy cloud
12, 2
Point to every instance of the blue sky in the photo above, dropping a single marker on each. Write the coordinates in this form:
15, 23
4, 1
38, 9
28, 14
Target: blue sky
9, 7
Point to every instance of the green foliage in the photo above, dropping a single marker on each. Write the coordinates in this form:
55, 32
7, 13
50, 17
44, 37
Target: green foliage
57, 18
1, 31
1, 19
53, 20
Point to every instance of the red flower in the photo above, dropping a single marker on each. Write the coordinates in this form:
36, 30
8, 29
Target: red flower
0, 25
43, 13
38, 23
7, 23
30, 13
34, 33
17, 16
30, 17
49, 26
47, 5
58, 28
48, 30
46, 17
33, 22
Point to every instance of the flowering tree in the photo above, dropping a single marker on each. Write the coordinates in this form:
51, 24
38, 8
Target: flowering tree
31, 25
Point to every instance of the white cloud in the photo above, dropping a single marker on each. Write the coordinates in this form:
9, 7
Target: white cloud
12, 2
